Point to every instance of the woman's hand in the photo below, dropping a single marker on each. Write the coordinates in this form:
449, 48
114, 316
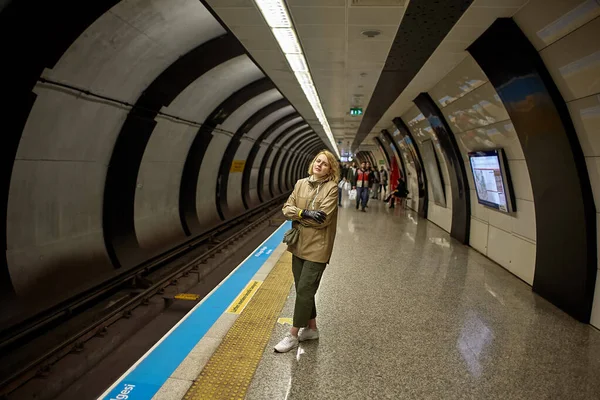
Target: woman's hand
318, 216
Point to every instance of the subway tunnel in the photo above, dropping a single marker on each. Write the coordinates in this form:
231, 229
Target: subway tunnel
132, 128
132, 124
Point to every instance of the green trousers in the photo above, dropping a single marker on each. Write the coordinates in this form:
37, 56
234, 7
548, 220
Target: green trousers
307, 276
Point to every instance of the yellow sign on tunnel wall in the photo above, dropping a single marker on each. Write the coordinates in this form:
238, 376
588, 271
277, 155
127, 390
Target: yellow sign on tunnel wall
238, 166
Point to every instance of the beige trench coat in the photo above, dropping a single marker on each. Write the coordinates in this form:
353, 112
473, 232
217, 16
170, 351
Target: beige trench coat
315, 241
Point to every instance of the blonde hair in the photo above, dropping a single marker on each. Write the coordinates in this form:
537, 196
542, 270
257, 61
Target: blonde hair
334, 166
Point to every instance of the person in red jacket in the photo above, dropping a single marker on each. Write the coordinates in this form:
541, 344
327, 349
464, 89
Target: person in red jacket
363, 179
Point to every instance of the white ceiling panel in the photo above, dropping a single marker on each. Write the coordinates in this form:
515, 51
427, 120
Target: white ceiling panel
321, 31
321, 3
325, 43
378, 3
334, 66
370, 48
325, 56
374, 16
365, 64
319, 15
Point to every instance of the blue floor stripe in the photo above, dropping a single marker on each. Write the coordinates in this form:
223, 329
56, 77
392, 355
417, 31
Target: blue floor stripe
148, 377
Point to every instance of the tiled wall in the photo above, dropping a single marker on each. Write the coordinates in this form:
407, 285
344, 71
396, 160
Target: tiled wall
566, 32
479, 121
421, 131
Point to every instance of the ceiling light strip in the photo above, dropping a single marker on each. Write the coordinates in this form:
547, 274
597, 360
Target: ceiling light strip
277, 17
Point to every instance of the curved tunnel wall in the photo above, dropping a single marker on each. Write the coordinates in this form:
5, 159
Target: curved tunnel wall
500, 112
265, 163
568, 55
566, 261
479, 121
107, 120
386, 152
440, 212
418, 198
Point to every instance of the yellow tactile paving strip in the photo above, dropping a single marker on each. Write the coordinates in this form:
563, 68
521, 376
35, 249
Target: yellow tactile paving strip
229, 372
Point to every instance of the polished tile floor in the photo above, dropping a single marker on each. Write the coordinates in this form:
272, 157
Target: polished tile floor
405, 312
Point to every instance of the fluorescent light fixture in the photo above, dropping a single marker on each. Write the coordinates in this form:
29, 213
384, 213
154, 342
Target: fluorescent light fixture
275, 13
278, 19
297, 62
304, 79
286, 37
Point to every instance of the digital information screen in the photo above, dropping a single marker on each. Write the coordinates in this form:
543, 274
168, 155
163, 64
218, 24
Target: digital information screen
489, 180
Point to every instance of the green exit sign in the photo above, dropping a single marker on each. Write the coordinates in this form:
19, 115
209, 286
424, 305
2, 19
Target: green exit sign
355, 111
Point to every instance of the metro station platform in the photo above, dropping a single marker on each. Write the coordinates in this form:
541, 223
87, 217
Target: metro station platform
404, 312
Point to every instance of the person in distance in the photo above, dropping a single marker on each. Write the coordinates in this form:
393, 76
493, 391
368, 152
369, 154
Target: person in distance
312, 207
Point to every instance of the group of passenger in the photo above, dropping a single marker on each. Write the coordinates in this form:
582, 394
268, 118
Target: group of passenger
370, 183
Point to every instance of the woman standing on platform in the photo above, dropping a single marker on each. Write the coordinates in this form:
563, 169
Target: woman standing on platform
313, 208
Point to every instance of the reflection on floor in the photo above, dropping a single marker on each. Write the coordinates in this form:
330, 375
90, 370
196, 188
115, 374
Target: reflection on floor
407, 312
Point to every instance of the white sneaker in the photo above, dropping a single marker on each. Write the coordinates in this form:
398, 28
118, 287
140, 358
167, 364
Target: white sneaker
286, 344
308, 334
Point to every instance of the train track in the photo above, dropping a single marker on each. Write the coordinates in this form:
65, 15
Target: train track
140, 283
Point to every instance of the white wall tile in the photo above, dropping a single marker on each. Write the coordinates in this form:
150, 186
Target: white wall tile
546, 21
522, 259
494, 136
500, 220
520, 179
513, 253
498, 243
585, 114
481, 107
574, 62
479, 235
411, 114
524, 220
466, 77
477, 210
440, 216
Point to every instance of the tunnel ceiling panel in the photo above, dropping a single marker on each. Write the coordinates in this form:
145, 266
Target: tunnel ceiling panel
125, 49
221, 81
240, 115
282, 128
269, 120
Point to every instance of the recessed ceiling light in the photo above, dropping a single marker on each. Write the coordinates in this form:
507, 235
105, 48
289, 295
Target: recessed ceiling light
371, 33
